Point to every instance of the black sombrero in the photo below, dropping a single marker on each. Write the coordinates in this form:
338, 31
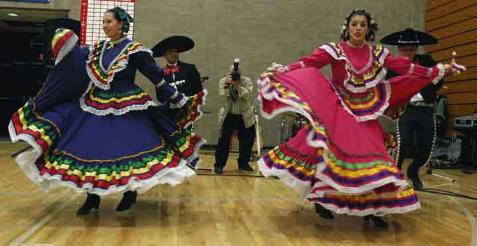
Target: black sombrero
409, 37
181, 43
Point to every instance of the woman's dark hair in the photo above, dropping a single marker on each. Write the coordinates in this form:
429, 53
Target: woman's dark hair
121, 15
372, 25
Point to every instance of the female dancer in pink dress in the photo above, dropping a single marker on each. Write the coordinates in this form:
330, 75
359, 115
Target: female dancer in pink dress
339, 160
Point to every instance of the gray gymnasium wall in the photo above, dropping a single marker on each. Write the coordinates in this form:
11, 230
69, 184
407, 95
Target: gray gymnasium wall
257, 31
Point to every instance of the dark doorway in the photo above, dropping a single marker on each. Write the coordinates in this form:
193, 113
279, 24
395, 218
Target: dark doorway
24, 59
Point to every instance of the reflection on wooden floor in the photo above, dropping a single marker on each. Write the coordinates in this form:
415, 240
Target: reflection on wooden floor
222, 210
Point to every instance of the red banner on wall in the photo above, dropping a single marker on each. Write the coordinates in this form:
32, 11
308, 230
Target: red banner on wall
92, 15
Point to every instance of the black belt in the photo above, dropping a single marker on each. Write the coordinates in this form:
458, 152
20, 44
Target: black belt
421, 104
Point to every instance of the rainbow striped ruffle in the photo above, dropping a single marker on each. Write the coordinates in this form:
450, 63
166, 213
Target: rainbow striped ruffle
37, 129
271, 90
101, 78
322, 172
191, 111
103, 102
46, 166
324, 179
360, 81
365, 95
62, 43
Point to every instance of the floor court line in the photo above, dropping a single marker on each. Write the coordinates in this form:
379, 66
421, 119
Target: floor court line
20, 240
471, 219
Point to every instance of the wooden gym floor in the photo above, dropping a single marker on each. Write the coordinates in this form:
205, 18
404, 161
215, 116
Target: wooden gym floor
233, 209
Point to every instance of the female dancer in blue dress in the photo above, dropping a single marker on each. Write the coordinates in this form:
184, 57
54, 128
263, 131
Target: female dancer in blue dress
89, 126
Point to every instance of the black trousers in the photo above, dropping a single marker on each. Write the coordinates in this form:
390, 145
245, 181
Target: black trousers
417, 134
246, 137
